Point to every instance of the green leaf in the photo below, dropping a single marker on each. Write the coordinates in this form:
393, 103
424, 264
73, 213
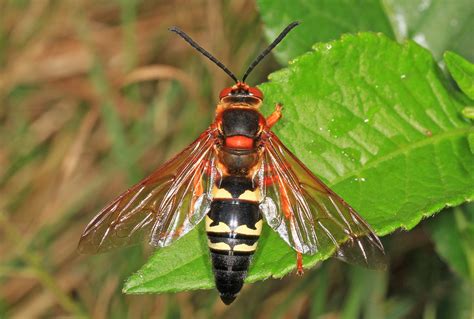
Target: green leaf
438, 25
374, 119
321, 21
453, 234
183, 266
462, 72
470, 140
468, 112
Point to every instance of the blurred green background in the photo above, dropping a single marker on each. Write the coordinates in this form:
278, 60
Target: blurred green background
96, 94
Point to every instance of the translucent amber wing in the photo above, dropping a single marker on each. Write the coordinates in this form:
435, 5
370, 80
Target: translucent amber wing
307, 214
162, 207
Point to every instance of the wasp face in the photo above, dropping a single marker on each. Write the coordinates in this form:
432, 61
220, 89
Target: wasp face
241, 94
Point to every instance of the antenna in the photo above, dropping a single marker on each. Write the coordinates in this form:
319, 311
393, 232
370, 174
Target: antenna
257, 60
269, 48
188, 39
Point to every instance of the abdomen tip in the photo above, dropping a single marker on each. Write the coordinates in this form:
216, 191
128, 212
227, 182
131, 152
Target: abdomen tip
227, 298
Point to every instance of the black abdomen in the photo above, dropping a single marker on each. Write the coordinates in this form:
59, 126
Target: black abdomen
233, 227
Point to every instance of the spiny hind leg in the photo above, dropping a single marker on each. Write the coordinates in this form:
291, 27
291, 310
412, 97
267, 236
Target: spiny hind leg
275, 116
299, 264
287, 212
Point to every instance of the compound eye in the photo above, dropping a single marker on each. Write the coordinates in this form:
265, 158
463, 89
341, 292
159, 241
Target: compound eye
225, 92
256, 92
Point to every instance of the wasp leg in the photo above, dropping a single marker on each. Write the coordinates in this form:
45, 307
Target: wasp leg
289, 215
271, 175
299, 264
275, 116
285, 202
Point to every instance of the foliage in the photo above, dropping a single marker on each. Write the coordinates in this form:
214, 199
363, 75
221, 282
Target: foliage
462, 72
375, 119
95, 94
438, 25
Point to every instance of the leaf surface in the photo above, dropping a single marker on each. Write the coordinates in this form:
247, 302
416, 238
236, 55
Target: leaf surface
321, 21
462, 71
438, 25
374, 119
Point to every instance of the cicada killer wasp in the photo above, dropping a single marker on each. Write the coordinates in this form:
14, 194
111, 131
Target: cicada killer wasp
236, 175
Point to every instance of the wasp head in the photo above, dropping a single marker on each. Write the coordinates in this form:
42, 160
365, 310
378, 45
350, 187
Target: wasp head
241, 93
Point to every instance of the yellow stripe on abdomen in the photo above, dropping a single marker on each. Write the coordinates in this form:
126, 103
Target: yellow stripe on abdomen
219, 228
226, 247
248, 195
245, 230
218, 246
253, 196
220, 193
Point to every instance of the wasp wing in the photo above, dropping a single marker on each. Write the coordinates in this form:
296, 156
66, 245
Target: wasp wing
307, 214
162, 207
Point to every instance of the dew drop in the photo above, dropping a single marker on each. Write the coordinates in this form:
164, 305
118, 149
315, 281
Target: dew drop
366, 121
328, 46
403, 76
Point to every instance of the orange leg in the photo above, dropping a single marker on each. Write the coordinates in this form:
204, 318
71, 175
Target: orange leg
299, 264
285, 203
271, 175
275, 116
269, 180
